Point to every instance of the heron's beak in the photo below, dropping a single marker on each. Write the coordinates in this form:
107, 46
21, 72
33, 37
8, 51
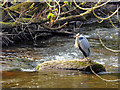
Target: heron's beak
75, 36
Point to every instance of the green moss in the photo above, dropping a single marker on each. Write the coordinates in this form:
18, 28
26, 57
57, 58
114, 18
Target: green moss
17, 7
99, 66
68, 64
37, 67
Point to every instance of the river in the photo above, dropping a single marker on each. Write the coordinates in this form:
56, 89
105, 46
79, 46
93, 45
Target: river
18, 72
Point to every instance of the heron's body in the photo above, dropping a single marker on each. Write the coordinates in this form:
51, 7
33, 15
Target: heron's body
83, 45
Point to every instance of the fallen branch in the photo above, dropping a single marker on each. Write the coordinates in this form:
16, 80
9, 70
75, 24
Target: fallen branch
13, 24
15, 8
60, 27
75, 17
54, 32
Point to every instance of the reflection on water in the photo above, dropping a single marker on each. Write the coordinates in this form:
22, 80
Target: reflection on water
20, 72
55, 79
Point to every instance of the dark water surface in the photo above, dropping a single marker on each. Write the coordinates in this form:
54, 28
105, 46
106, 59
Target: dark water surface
18, 72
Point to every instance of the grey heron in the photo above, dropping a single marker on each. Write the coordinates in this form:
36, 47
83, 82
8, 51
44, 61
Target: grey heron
82, 43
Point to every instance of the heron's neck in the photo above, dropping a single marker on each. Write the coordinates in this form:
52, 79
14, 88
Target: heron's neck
76, 42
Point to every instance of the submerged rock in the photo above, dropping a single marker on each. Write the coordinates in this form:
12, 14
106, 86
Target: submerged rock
81, 65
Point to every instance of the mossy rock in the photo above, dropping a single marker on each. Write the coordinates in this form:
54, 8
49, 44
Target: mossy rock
81, 65
95, 67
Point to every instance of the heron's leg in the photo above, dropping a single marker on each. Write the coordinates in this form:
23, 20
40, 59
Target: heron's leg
85, 59
89, 60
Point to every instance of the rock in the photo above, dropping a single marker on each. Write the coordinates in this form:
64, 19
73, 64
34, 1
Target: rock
81, 65
95, 67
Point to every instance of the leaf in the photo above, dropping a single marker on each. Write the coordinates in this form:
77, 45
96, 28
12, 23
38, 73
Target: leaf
37, 67
32, 5
55, 10
50, 15
66, 2
15, 1
83, 3
49, 0
51, 19
52, 6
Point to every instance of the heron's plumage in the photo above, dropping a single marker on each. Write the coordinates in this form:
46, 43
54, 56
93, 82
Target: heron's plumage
76, 41
83, 45
80, 38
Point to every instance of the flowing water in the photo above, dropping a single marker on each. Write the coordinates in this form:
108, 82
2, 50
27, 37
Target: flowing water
18, 62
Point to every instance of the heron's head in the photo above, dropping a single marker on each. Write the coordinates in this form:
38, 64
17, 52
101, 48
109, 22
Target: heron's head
77, 35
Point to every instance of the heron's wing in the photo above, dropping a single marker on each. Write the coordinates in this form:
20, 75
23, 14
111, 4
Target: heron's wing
84, 44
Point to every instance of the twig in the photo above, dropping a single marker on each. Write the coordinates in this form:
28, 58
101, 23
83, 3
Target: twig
113, 24
4, 3
106, 17
118, 15
63, 13
93, 7
103, 78
20, 16
31, 35
58, 12
73, 17
45, 26
116, 51
90, 65
100, 21
15, 20
7, 39
81, 7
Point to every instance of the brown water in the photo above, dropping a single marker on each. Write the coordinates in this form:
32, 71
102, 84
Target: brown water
56, 79
18, 72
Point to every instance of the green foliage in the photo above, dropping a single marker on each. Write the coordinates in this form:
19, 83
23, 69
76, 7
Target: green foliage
83, 3
37, 67
40, 0
104, 5
5, 0
55, 10
49, 0
52, 6
84, 17
15, 1
32, 6
50, 15
66, 2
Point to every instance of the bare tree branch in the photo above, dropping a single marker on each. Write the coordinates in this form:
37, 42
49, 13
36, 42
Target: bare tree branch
116, 51
106, 17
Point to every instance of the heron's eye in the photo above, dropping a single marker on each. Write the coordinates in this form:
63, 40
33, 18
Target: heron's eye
80, 38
